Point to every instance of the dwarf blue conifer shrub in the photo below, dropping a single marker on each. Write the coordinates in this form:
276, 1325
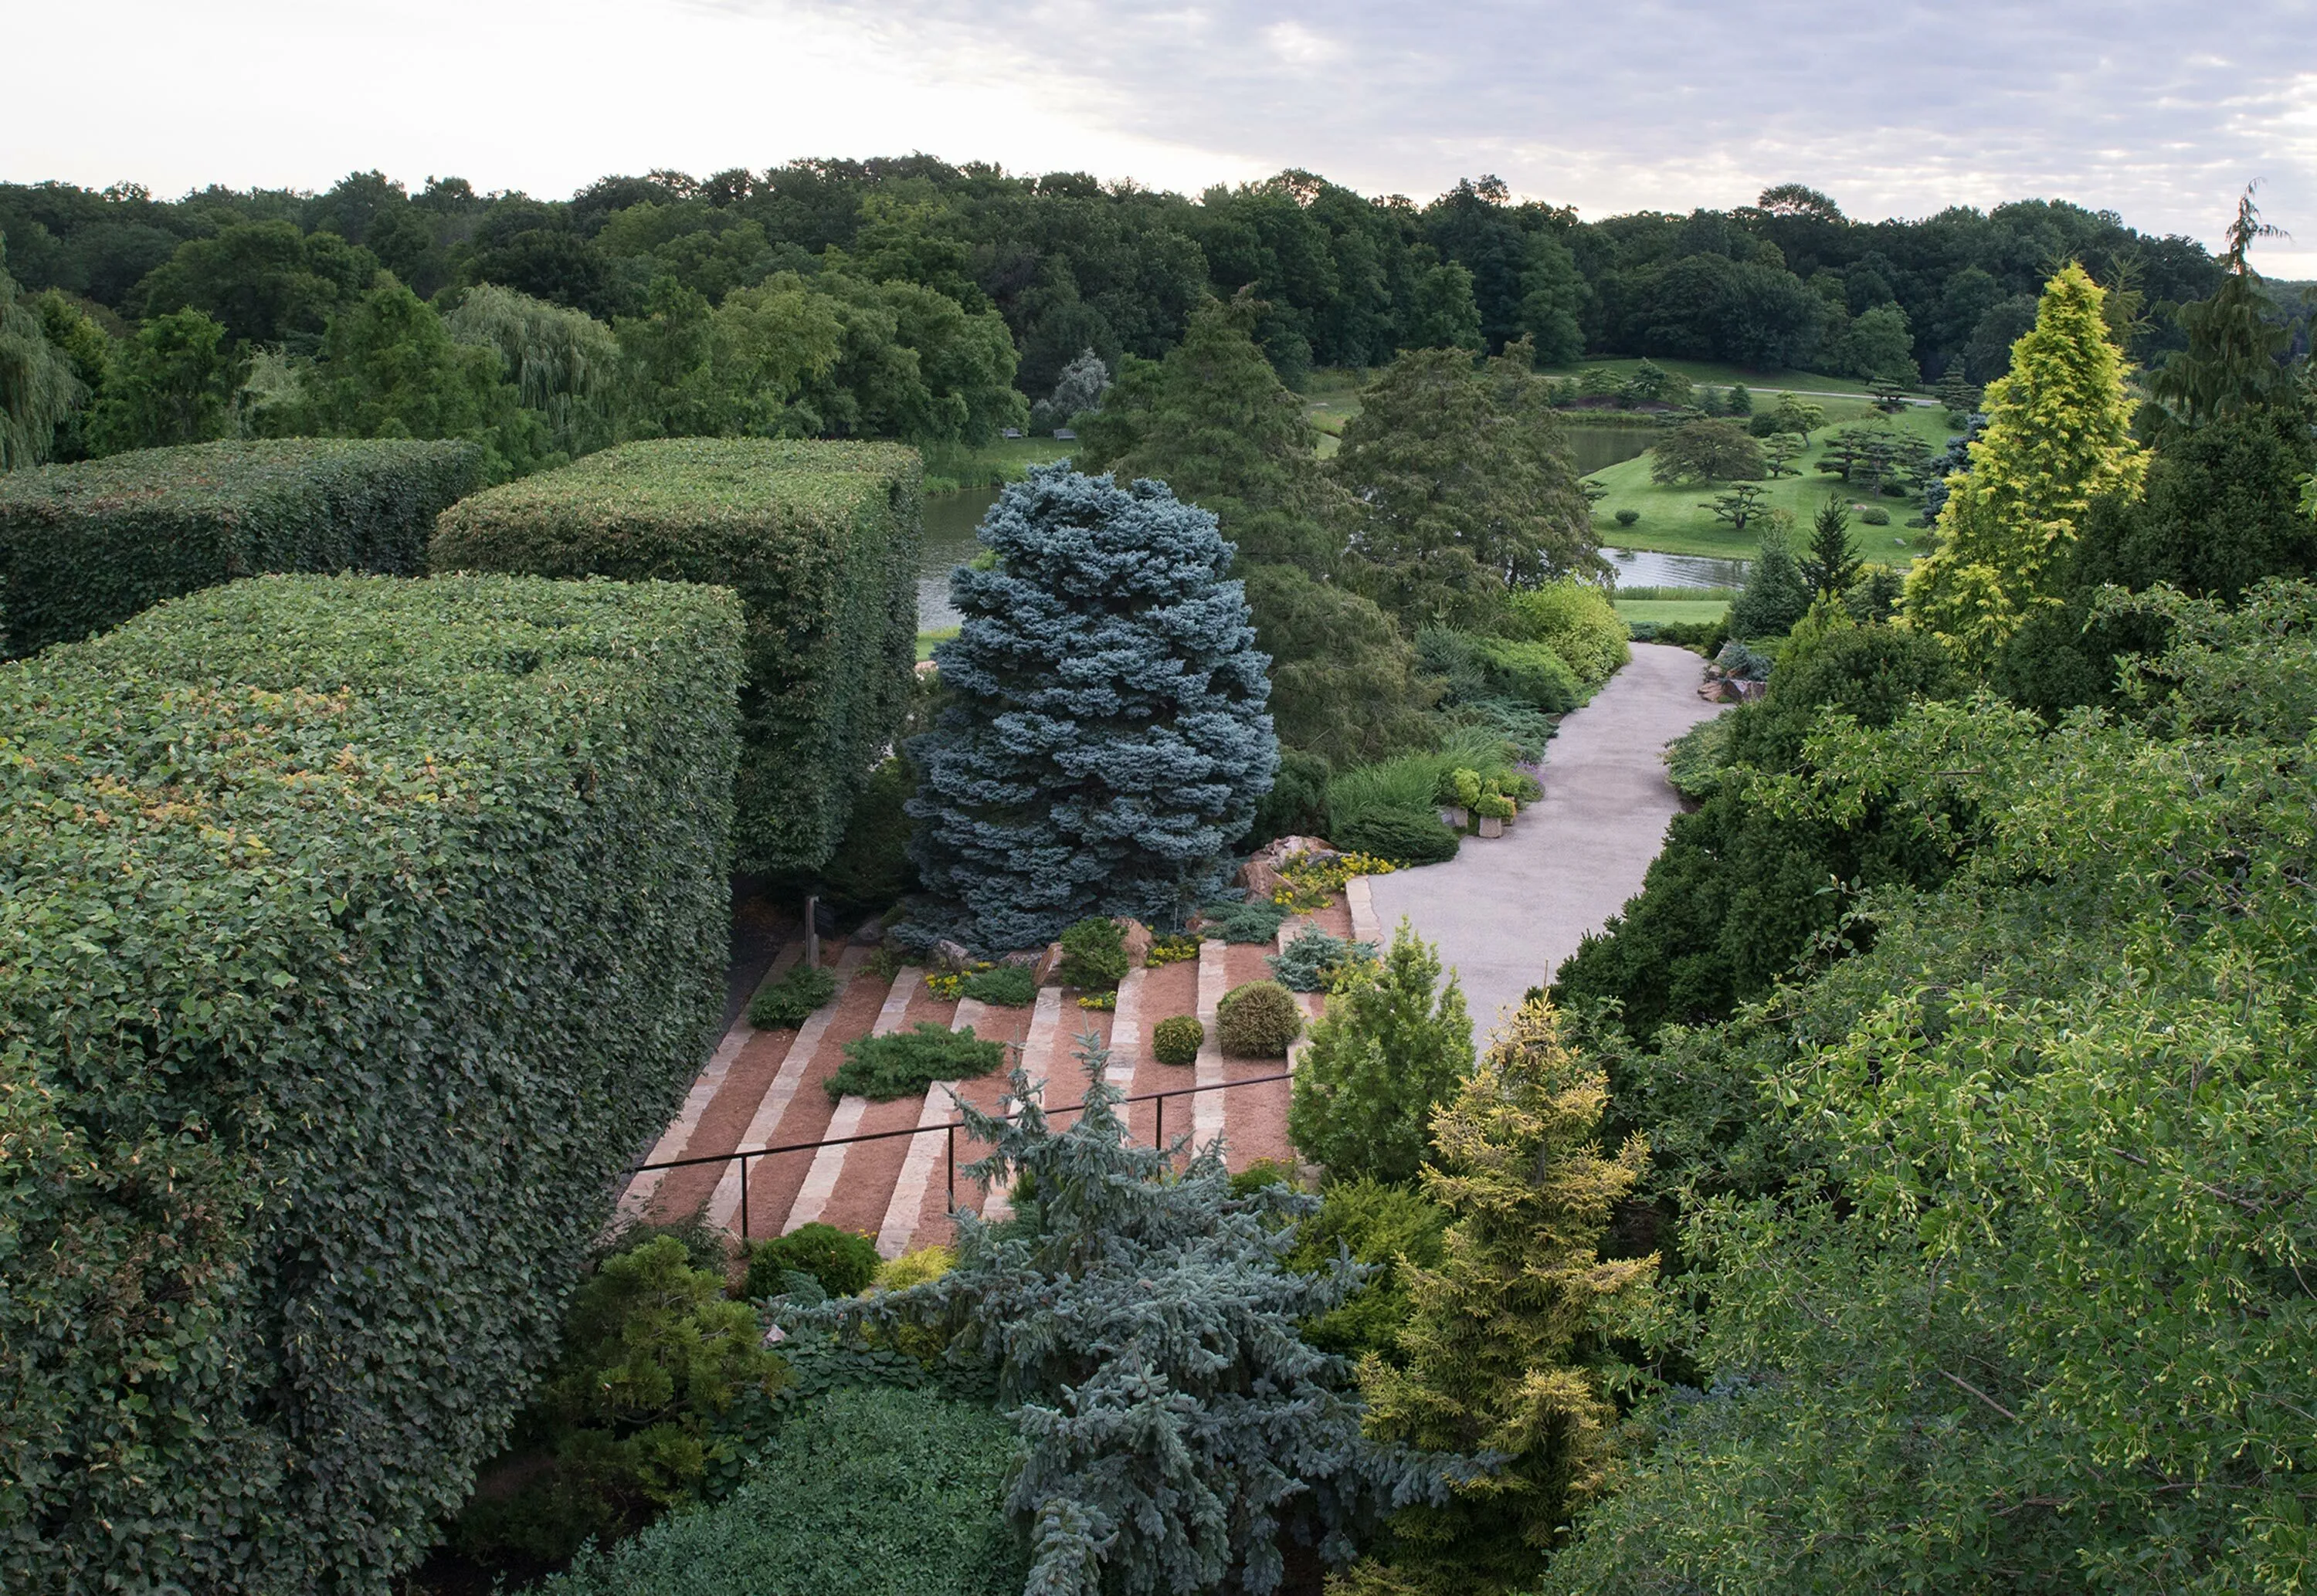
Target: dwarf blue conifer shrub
1106, 739
1144, 1325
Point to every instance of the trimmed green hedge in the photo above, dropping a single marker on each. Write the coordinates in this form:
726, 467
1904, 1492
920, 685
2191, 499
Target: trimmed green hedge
354, 933
84, 547
821, 539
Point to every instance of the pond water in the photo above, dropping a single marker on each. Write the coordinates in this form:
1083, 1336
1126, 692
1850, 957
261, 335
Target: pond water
950, 541
1598, 448
1645, 567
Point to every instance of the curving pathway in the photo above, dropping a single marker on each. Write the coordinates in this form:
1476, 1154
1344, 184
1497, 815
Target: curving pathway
1507, 911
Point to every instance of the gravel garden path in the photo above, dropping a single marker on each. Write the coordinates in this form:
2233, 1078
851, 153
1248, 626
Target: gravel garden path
1506, 911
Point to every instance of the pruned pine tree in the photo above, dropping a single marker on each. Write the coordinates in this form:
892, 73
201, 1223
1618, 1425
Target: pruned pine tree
2059, 436
1139, 1317
1105, 738
1506, 1350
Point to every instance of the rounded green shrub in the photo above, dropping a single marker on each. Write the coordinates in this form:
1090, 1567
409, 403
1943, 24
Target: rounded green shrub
786, 1003
1875, 515
1494, 805
1578, 622
1404, 836
1626, 518
1258, 1021
843, 1262
1094, 956
1178, 1040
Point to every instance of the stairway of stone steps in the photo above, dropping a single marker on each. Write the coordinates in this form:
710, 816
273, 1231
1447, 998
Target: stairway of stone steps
768, 1089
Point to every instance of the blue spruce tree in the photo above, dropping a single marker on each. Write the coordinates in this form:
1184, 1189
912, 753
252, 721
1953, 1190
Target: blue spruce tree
1105, 738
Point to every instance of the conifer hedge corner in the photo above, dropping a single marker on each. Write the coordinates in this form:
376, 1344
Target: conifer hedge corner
85, 547
819, 539
354, 933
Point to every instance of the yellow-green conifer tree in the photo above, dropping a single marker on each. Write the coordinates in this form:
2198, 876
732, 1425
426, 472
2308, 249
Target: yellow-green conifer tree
1505, 1350
2058, 436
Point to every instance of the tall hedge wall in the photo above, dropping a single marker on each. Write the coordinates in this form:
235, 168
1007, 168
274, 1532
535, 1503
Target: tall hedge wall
820, 540
354, 932
84, 547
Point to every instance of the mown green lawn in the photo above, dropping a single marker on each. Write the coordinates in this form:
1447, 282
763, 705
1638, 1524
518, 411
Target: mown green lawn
1720, 376
1679, 520
925, 641
1662, 611
994, 464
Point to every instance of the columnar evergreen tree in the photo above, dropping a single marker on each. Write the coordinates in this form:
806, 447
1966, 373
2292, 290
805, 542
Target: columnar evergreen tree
1142, 1321
1777, 595
1391, 1047
2058, 437
1106, 739
1832, 564
1505, 1350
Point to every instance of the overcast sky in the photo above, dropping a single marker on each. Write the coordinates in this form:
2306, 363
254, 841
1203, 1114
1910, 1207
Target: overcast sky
2161, 112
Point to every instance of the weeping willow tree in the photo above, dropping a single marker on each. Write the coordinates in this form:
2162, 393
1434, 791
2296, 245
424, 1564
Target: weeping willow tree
564, 363
37, 388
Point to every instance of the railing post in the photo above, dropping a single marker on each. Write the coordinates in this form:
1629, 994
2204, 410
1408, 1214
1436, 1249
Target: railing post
952, 1168
744, 1201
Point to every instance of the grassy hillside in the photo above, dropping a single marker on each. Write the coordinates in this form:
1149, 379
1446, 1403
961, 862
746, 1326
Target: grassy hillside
1720, 376
1677, 520
1662, 611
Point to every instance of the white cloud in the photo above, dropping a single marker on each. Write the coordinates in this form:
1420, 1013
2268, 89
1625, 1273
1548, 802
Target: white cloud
2150, 110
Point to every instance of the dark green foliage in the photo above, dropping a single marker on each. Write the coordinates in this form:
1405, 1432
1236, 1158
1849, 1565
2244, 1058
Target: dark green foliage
266, 280
337, 857
1243, 922
1706, 452
1177, 1041
1176, 1430
171, 384
1380, 1226
840, 1262
871, 871
621, 1430
1312, 961
1741, 895
1104, 741
1699, 636
85, 547
1008, 986
820, 541
1404, 836
1344, 684
1626, 518
1257, 1019
873, 1492
1777, 595
787, 1002
1478, 667
388, 367
1297, 803
1832, 564
907, 1062
1094, 956
1875, 515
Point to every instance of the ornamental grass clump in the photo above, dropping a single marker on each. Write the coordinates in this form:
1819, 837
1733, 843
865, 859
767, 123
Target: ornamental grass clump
1258, 1019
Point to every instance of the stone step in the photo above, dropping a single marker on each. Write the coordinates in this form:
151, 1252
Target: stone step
828, 1163
763, 1128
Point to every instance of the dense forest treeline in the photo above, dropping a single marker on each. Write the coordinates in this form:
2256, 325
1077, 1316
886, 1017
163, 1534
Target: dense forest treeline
910, 297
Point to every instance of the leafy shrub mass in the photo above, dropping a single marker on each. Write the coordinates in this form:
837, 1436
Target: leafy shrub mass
1094, 956
621, 1429
1308, 881
1478, 667
1392, 1046
1258, 1019
1177, 1041
1315, 960
789, 1002
874, 1491
84, 547
300, 1174
1104, 740
844, 1264
1577, 621
1382, 1225
907, 1062
820, 541
1006, 985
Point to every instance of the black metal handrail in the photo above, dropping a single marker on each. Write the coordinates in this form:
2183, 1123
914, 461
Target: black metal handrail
950, 1129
